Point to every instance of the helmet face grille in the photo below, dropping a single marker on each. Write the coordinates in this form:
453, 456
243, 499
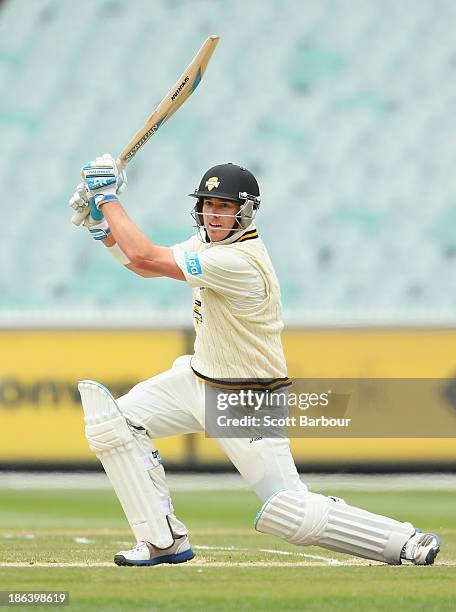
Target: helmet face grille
244, 218
228, 182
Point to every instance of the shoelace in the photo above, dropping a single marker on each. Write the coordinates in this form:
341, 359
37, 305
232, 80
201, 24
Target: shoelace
422, 539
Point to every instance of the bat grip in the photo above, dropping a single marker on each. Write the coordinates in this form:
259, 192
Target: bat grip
121, 164
79, 217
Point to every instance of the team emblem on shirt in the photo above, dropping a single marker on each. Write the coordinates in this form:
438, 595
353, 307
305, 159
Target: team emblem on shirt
212, 183
197, 312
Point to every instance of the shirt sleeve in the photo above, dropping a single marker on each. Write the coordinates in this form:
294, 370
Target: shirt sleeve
218, 268
187, 245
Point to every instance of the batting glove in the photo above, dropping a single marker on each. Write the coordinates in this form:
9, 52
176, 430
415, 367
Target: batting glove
79, 201
96, 222
103, 180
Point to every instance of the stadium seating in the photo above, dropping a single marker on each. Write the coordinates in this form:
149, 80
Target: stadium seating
344, 110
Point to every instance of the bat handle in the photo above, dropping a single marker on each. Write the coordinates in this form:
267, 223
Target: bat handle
121, 164
79, 217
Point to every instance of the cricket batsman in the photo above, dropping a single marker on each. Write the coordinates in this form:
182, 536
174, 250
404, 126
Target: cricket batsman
238, 322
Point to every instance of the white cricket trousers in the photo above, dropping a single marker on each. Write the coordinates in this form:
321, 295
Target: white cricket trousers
172, 403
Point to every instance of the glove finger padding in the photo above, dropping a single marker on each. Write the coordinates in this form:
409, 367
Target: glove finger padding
80, 198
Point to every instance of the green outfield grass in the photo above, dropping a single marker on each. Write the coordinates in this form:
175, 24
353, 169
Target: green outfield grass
65, 540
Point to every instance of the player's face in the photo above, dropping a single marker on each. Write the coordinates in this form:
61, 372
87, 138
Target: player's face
219, 217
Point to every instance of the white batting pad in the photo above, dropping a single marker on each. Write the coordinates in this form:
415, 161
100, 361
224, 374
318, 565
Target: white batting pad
113, 443
307, 519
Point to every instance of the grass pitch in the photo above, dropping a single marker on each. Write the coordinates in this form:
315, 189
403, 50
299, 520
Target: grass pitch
65, 540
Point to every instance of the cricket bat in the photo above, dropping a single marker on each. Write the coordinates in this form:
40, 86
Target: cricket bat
177, 95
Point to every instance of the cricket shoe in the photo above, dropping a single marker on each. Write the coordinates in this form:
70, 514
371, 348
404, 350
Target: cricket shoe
421, 548
145, 553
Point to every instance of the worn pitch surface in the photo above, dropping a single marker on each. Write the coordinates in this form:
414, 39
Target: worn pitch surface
64, 539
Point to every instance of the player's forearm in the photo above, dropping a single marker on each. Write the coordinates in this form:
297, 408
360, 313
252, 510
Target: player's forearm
121, 258
136, 246
109, 241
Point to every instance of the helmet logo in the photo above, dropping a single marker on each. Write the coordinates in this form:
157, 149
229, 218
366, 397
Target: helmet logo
212, 183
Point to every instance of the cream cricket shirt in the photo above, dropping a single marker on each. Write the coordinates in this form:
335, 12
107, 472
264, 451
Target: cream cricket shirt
237, 312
